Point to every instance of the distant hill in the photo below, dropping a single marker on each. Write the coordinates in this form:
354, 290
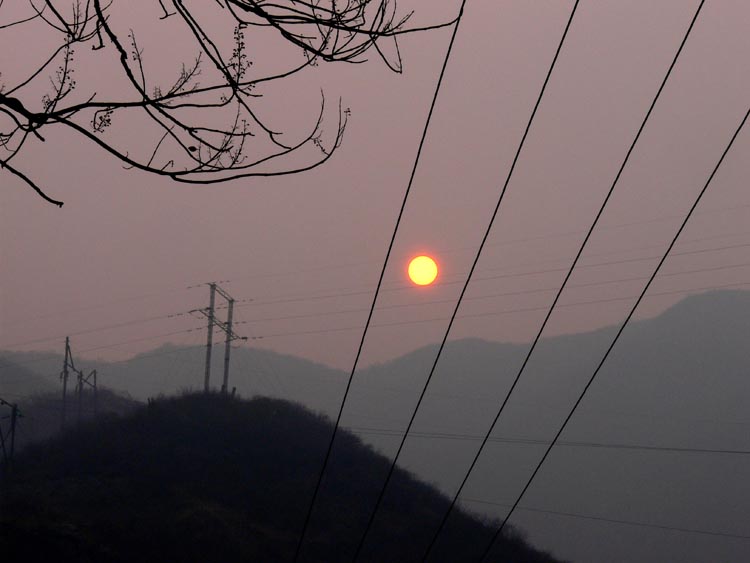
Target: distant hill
17, 380
675, 382
207, 478
42, 412
172, 369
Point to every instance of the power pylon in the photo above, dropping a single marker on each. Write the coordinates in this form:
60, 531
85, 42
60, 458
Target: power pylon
64, 374
89, 381
8, 439
81, 381
226, 326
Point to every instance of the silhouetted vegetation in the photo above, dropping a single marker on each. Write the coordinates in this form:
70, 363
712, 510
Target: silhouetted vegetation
210, 478
42, 412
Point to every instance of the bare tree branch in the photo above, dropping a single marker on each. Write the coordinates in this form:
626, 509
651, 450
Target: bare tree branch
208, 125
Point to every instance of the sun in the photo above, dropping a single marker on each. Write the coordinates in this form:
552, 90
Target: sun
423, 270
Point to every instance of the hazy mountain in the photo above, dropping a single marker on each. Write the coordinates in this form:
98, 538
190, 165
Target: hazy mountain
675, 385
171, 369
207, 478
43, 416
17, 381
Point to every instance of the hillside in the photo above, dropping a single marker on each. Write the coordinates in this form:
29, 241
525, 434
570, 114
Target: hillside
17, 380
42, 412
675, 381
209, 478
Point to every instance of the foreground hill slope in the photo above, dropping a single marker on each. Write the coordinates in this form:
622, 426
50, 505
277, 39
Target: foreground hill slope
42, 412
209, 478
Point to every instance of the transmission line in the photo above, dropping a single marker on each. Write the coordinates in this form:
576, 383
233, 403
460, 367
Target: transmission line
354, 293
489, 295
616, 521
101, 328
54, 358
505, 311
617, 336
296, 298
380, 279
567, 278
557, 235
468, 279
387, 432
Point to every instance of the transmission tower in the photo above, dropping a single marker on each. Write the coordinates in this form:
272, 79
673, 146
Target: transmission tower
81, 382
8, 439
225, 326
67, 365
86, 381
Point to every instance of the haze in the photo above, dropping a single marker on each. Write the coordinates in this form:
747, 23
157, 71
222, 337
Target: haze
302, 253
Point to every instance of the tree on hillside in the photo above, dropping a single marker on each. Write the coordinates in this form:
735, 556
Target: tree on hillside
203, 122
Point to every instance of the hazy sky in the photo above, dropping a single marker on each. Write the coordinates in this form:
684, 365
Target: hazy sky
118, 267
307, 249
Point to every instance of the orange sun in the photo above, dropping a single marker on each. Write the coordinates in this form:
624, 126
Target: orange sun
423, 270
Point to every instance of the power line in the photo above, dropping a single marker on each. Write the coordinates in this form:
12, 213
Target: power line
155, 355
403, 287
277, 385
335, 295
100, 305
380, 279
568, 275
142, 339
104, 304
506, 311
100, 328
557, 235
615, 521
492, 295
619, 332
386, 432
103, 347
468, 278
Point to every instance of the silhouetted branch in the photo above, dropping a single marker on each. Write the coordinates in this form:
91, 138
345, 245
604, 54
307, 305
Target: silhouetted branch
206, 126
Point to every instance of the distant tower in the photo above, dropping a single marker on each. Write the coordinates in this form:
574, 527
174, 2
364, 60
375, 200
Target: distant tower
210, 314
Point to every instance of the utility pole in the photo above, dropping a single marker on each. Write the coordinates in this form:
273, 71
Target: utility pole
227, 345
96, 395
81, 381
8, 439
67, 362
89, 380
209, 343
210, 313
13, 419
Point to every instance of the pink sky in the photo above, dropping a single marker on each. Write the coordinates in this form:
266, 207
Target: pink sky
126, 245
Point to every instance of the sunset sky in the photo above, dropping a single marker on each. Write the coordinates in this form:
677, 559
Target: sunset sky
307, 249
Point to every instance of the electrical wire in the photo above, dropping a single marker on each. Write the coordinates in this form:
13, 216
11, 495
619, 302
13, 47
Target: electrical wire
402, 287
380, 279
557, 235
100, 328
511, 311
489, 295
101, 305
615, 521
107, 346
387, 432
405, 287
27, 320
501, 197
568, 275
532, 442
617, 336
